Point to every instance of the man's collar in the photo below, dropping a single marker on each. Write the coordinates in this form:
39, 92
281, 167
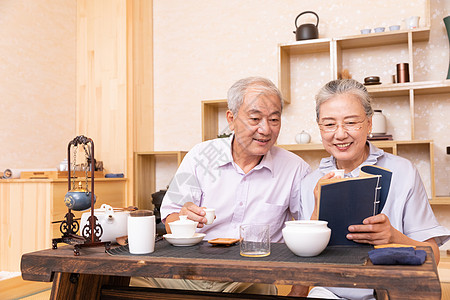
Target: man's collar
228, 158
266, 162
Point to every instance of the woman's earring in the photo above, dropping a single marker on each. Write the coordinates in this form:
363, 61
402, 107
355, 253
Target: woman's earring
370, 135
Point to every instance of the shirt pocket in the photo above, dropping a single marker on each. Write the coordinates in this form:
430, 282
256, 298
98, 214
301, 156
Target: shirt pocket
276, 213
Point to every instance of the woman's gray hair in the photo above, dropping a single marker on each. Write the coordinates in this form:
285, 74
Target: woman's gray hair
344, 86
239, 89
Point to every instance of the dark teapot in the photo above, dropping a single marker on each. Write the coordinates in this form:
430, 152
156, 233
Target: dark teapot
78, 198
307, 31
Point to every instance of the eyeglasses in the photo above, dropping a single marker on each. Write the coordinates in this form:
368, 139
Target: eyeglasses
347, 126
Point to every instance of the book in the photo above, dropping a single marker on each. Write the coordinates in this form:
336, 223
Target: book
348, 201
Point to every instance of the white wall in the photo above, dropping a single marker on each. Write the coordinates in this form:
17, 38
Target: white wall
37, 86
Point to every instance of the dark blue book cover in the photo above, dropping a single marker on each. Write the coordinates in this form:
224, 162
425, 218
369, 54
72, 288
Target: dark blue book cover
348, 201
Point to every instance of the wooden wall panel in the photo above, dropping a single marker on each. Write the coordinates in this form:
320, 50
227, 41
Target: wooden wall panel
115, 80
140, 84
25, 216
101, 79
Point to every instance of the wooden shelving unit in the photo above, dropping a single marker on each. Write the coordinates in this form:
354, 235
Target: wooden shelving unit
334, 48
145, 174
388, 146
394, 147
404, 89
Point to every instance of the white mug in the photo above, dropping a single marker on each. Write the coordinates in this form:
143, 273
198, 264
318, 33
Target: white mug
141, 232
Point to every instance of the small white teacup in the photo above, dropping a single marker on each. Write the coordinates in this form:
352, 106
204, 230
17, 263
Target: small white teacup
210, 215
339, 172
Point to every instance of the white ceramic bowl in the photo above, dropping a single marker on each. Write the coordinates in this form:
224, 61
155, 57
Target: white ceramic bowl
394, 27
306, 237
183, 228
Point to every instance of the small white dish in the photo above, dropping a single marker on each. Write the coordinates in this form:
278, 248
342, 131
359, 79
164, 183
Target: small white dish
184, 241
379, 29
366, 31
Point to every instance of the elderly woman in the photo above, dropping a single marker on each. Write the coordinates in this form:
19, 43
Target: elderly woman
344, 115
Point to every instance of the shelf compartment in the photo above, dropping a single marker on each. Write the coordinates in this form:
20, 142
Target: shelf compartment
383, 38
210, 117
145, 174
286, 51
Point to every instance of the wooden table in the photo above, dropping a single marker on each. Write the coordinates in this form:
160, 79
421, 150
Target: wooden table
94, 268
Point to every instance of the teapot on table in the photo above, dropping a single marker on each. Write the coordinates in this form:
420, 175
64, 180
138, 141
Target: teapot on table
307, 31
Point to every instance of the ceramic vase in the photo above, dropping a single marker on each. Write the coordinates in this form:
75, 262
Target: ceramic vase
378, 122
447, 27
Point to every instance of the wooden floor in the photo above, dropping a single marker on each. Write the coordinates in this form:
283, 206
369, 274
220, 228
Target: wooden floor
16, 288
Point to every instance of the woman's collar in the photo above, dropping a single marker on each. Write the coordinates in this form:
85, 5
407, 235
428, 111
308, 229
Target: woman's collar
328, 164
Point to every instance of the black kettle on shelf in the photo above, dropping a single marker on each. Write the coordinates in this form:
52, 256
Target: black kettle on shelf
306, 31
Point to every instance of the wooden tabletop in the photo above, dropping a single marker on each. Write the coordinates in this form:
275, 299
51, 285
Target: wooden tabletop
401, 282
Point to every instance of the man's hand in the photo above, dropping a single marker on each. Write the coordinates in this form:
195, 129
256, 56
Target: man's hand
192, 211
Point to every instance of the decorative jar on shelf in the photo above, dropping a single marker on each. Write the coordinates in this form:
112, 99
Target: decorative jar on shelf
378, 122
63, 165
303, 138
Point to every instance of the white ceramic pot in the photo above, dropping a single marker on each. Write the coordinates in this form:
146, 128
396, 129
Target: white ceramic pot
114, 223
303, 138
183, 228
412, 22
306, 237
378, 122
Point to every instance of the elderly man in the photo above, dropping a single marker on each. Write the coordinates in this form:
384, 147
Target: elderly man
244, 178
